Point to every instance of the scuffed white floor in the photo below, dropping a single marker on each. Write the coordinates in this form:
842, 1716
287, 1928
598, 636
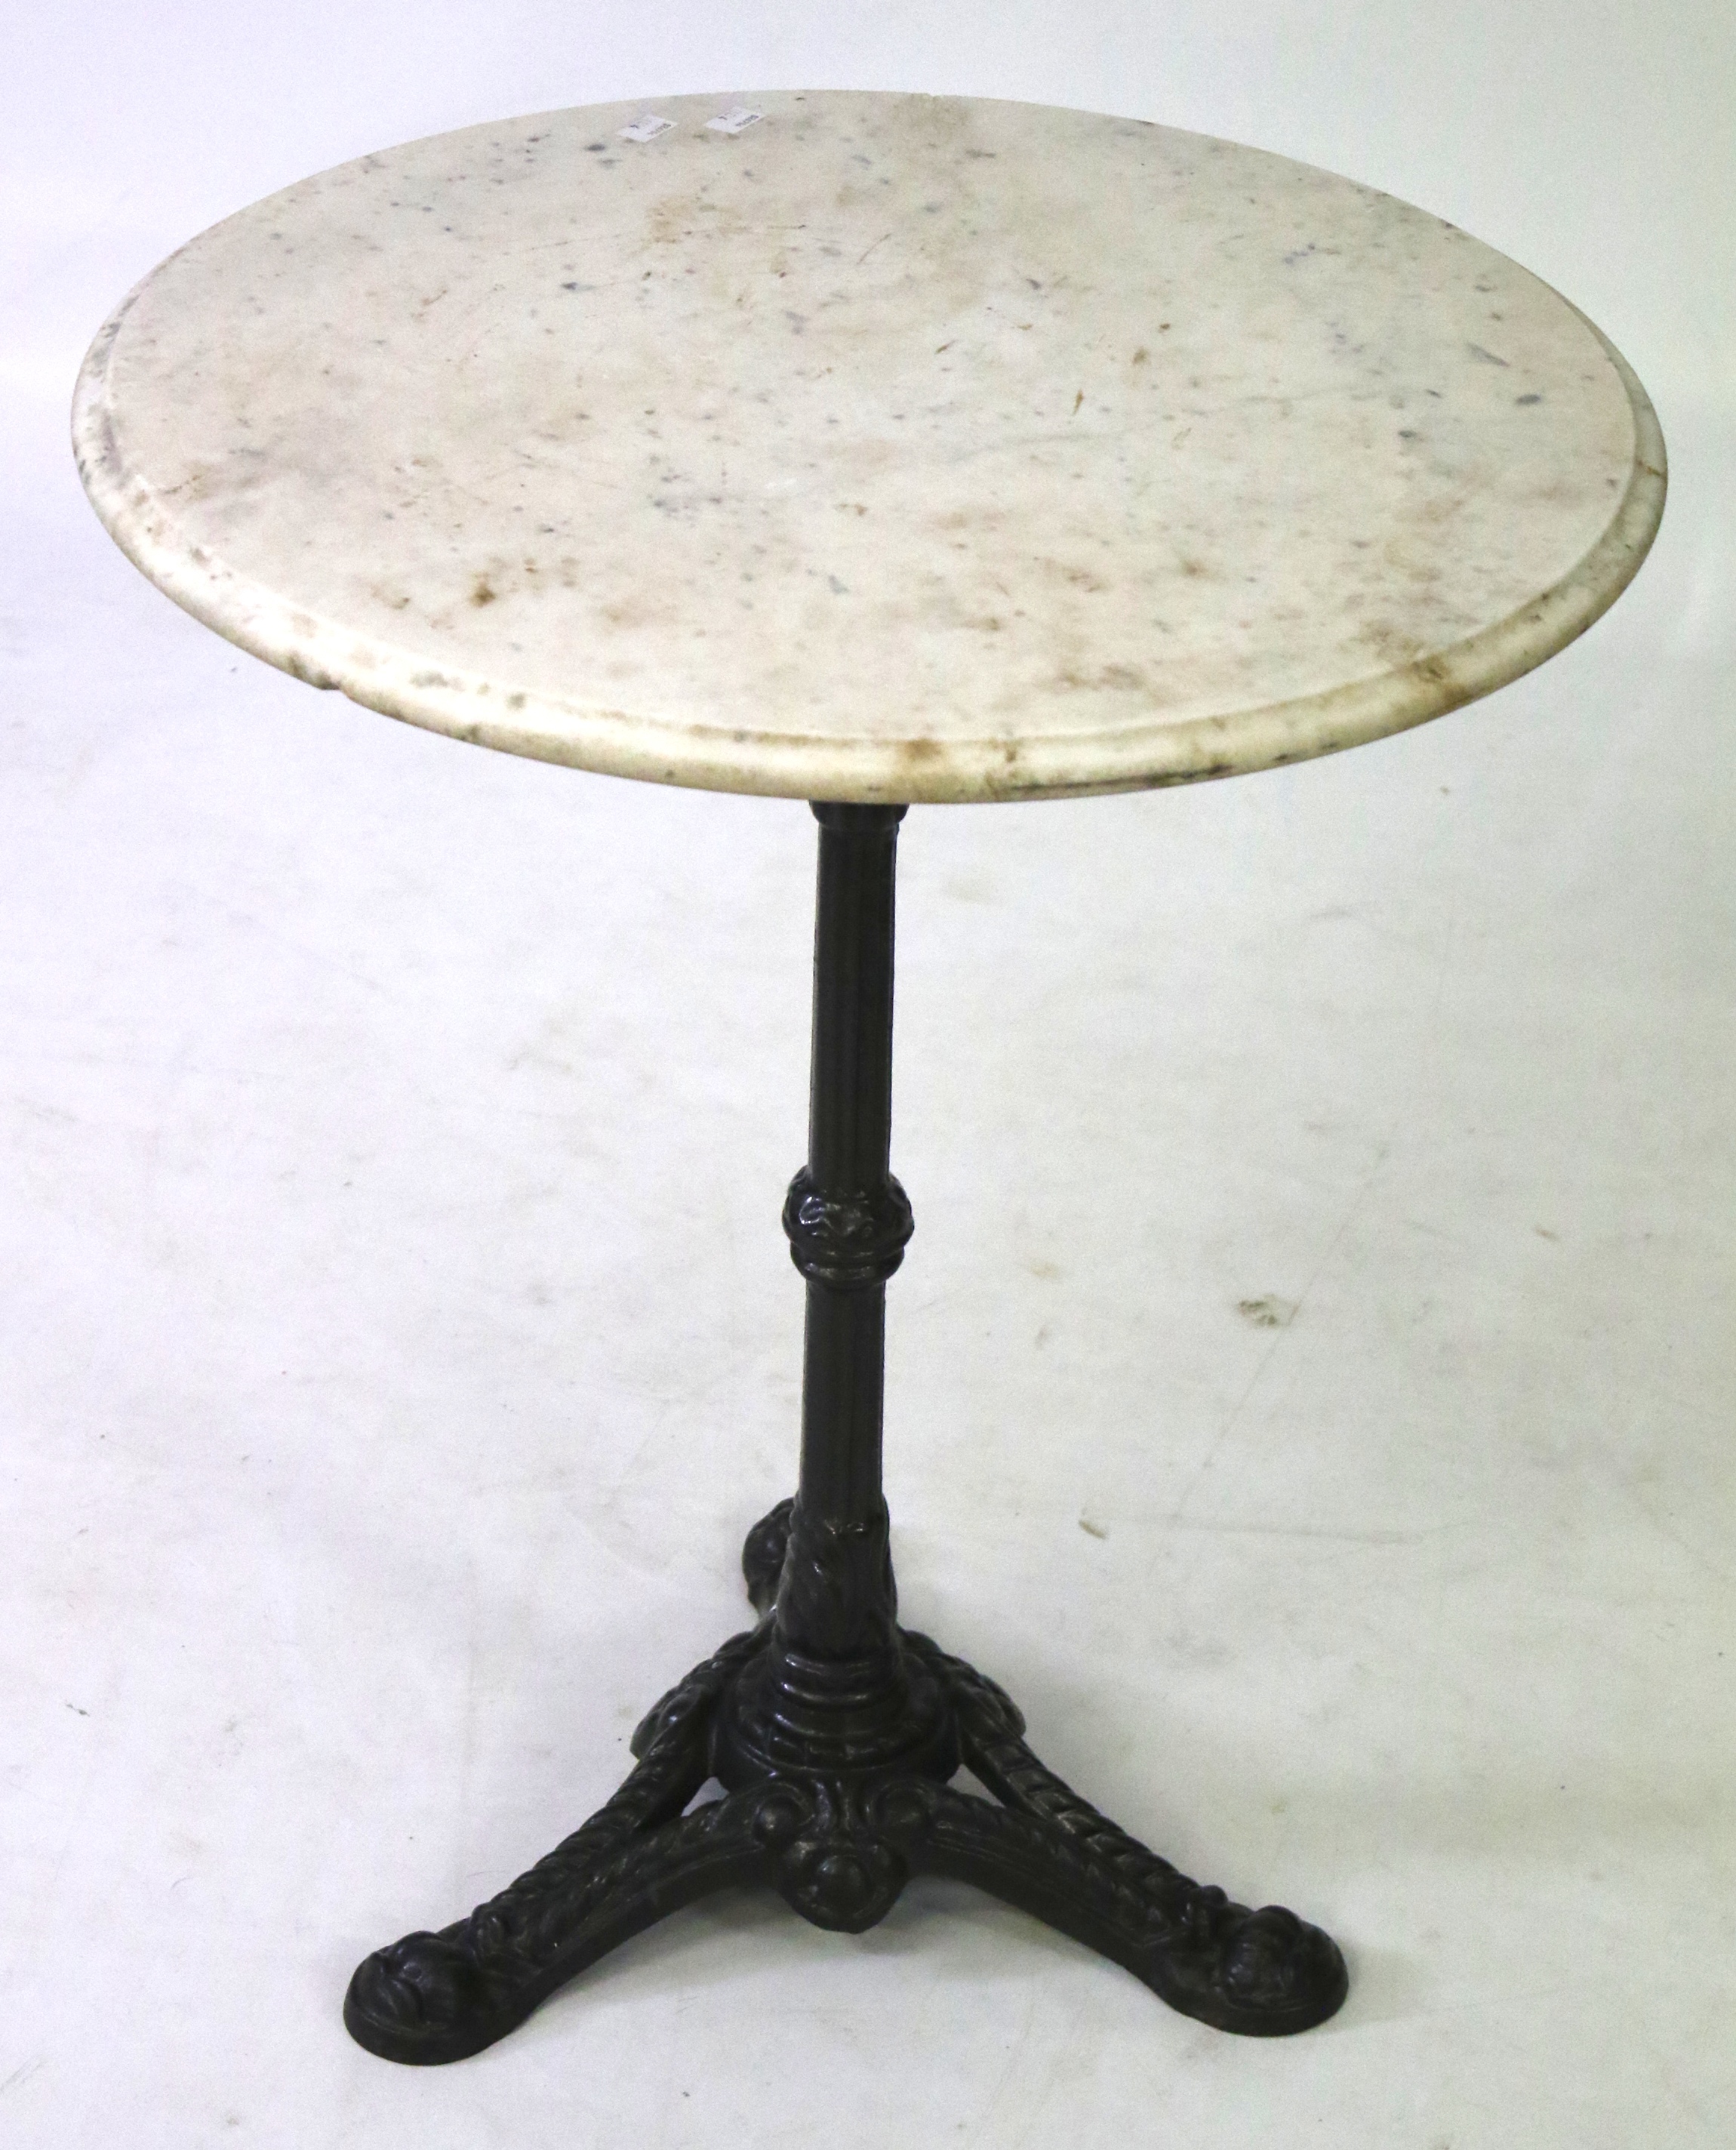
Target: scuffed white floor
1310, 1391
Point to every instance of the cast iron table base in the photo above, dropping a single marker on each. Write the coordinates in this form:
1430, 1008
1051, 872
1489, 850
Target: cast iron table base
834, 1731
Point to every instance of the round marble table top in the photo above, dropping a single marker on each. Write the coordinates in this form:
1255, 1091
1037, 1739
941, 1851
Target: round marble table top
870, 447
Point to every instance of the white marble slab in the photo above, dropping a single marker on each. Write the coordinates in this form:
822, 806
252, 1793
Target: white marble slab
870, 447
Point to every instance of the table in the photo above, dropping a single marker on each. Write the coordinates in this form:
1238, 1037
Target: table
874, 450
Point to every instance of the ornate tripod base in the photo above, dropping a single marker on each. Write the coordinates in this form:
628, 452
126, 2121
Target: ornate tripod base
833, 1732
838, 1843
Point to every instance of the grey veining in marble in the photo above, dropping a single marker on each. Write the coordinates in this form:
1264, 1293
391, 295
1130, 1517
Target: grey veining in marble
870, 447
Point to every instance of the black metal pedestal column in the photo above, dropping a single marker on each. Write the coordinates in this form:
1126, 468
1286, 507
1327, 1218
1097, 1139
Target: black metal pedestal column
834, 1730
833, 1687
848, 1220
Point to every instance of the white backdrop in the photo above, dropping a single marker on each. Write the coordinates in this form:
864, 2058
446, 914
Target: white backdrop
397, 1337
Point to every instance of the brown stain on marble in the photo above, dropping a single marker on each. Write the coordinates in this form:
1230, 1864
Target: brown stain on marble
1076, 577
1391, 644
1114, 678
672, 218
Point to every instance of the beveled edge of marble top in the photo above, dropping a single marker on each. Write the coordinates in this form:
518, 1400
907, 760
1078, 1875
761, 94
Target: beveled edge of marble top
578, 733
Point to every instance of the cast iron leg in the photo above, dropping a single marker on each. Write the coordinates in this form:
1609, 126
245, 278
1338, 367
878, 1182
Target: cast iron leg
442, 1996
834, 1730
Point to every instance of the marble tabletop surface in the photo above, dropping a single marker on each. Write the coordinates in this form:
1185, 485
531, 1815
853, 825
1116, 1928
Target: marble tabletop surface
870, 447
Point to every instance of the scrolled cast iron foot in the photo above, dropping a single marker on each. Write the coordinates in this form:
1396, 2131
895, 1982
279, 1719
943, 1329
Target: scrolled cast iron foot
1261, 1973
441, 1996
838, 1850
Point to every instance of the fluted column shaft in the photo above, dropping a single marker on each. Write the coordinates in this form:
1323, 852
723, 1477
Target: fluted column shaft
848, 1220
